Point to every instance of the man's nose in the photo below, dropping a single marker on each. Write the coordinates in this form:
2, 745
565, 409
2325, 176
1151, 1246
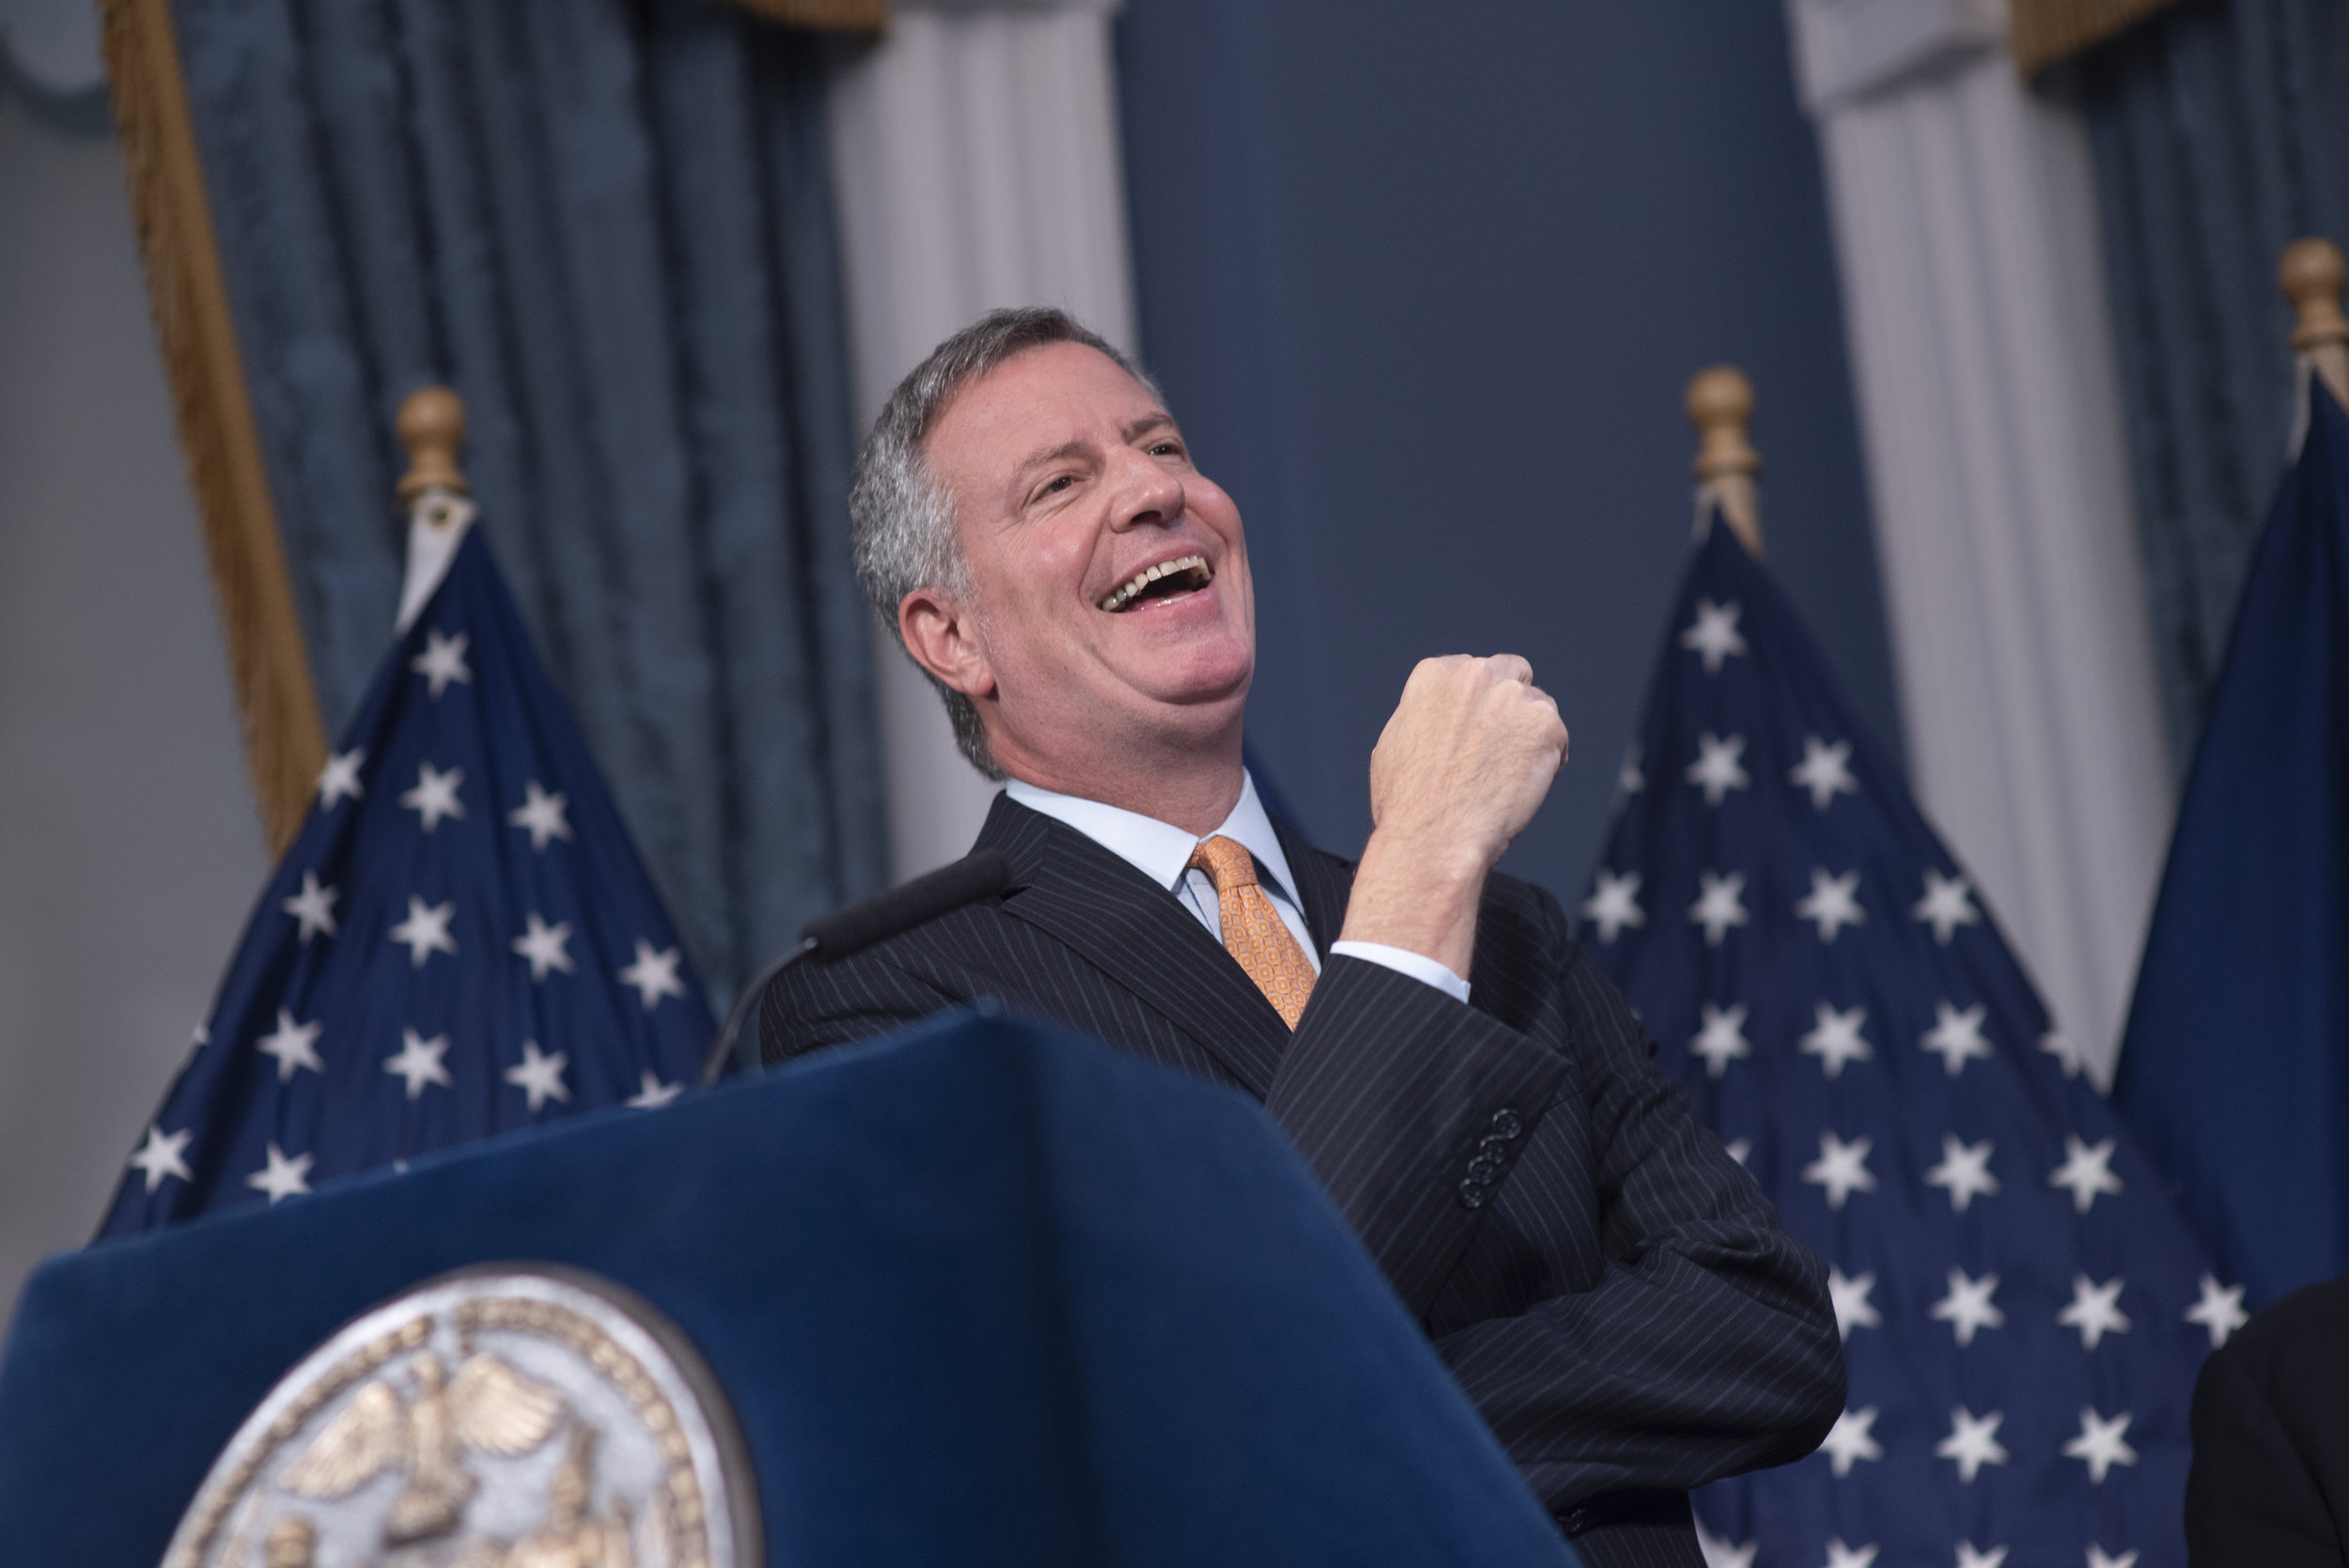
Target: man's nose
1146, 495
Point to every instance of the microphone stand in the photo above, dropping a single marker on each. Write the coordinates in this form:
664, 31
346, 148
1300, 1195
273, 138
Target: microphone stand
723, 1046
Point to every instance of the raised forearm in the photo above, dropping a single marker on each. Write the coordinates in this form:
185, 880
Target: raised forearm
1462, 765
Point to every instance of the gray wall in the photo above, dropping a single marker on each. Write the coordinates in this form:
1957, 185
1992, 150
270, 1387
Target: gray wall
129, 852
1425, 285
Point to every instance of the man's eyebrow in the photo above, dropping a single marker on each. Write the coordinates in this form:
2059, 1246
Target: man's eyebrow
1066, 449
1156, 420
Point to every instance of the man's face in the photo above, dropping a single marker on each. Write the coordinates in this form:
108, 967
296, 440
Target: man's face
1069, 484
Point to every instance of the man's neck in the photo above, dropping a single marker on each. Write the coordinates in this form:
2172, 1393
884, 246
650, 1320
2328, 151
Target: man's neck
1196, 795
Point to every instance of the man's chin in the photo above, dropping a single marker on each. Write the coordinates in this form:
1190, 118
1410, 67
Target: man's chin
1196, 679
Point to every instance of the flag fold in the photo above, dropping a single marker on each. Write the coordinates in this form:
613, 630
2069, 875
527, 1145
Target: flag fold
2235, 1065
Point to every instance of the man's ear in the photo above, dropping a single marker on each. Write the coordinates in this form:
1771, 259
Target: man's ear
938, 633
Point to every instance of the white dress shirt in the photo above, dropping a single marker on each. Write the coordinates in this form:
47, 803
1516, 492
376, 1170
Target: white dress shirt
1162, 851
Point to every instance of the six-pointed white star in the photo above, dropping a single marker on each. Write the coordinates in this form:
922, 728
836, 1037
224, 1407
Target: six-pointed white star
160, 1155
2067, 1054
1716, 769
2220, 1310
1969, 1557
1825, 771
1956, 1037
2087, 1170
419, 1061
339, 778
1721, 904
1713, 635
1614, 904
1630, 778
424, 931
540, 1075
435, 795
1842, 1168
282, 1178
2097, 1558
541, 815
1974, 1442
1723, 1037
653, 1093
1964, 1170
1840, 1556
293, 1045
443, 661
546, 946
1848, 1440
1853, 1309
314, 906
1834, 902
1837, 1040
2095, 1311
2102, 1443
1967, 1307
654, 974
1946, 905
1721, 1553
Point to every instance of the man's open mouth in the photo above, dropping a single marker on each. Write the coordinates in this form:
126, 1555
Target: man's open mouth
1168, 580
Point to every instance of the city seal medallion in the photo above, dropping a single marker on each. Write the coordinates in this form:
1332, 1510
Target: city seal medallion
509, 1416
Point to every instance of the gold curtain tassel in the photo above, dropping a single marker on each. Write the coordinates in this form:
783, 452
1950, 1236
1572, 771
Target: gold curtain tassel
285, 744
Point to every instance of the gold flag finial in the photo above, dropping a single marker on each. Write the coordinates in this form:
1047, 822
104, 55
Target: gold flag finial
2311, 274
1720, 406
432, 427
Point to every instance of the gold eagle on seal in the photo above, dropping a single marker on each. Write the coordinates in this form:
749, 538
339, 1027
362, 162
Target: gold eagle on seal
513, 1415
487, 1407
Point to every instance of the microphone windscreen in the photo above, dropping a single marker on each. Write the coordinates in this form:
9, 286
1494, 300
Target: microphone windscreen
903, 908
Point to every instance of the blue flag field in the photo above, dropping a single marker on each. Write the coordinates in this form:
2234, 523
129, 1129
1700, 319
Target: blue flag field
2024, 1306
461, 941
2235, 1065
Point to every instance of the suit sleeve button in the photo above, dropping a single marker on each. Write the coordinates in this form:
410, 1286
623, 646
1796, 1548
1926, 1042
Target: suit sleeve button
1506, 1123
1471, 1195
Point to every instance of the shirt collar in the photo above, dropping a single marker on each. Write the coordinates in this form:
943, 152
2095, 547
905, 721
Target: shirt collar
1159, 850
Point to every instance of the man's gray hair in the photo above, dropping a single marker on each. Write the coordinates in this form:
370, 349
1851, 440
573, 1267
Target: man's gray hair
902, 521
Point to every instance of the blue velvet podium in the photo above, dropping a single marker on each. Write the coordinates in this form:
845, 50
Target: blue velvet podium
984, 1294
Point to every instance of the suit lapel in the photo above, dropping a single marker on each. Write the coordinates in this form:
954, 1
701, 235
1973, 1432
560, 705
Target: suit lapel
1139, 934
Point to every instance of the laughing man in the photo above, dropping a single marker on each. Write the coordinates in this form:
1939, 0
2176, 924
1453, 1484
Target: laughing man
1603, 1280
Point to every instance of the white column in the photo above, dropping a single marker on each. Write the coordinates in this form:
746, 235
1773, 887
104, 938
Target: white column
976, 156
1965, 221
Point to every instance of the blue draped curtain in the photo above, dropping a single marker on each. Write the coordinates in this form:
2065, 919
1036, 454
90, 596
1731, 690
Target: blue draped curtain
609, 226
2220, 133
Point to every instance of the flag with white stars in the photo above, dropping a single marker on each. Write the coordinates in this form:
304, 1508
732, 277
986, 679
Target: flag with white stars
2024, 1309
461, 941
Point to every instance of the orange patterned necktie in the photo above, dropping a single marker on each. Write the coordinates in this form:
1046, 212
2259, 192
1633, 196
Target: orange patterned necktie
1253, 931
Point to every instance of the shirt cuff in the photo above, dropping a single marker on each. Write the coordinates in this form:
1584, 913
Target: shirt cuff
1403, 961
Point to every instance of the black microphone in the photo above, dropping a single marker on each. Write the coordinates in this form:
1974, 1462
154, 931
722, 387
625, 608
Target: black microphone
860, 925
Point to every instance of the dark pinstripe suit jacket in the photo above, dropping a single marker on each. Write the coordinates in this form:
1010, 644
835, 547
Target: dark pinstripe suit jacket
1607, 1284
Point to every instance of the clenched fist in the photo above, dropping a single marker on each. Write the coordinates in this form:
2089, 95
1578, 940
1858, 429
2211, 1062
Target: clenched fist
1459, 770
